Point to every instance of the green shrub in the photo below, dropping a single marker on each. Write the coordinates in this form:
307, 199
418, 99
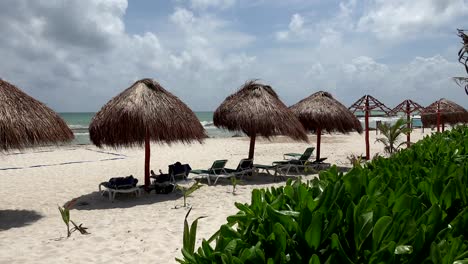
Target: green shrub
410, 208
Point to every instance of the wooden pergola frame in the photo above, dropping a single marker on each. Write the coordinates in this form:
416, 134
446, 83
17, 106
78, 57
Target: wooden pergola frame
408, 107
368, 103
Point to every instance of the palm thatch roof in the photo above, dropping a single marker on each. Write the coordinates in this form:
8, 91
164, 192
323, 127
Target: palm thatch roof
450, 113
144, 107
322, 111
26, 122
256, 109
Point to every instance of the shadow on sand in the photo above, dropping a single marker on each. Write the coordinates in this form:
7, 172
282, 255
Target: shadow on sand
96, 201
17, 218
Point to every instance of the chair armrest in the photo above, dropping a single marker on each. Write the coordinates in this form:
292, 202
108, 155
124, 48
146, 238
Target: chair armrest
291, 155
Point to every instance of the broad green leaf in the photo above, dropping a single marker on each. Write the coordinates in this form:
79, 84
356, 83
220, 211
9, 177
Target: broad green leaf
435, 253
314, 259
380, 230
314, 232
336, 245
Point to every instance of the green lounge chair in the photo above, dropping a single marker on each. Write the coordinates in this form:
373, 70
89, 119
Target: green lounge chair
267, 169
308, 152
216, 170
245, 166
284, 166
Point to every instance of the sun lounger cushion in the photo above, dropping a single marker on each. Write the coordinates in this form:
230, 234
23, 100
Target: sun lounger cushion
161, 178
179, 169
121, 182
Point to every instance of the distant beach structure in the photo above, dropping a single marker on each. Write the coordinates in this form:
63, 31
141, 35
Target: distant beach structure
143, 113
256, 110
443, 112
409, 108
366, 104
321, 112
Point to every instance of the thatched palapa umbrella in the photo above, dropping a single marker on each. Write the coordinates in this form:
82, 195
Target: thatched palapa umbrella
368, 103
321, 112
408, 107
142, 113
256, 109
443, 111
26, 122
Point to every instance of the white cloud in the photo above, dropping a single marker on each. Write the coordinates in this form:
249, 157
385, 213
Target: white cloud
402, 18
297, 21
205, 4
295, 28
76, 55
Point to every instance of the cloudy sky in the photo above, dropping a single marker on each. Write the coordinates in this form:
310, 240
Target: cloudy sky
76, 55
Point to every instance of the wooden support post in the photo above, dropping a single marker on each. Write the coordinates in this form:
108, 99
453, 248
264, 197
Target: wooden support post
408, 124
367, 128
319, 136
252, 146
438, 116
147, 159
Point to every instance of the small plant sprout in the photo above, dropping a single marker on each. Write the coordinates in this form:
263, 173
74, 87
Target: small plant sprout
235, 182
355, 160
186, 191
65, 212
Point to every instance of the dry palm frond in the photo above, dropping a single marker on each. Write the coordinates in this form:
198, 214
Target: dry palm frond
463, 52
450, 113
144, 107
256, 109
322, 111
462, 82
26, 122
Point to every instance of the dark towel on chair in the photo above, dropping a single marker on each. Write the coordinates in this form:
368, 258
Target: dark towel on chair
122, 182
178, 169
162, 178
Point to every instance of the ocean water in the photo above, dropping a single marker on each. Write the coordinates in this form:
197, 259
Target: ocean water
79, 123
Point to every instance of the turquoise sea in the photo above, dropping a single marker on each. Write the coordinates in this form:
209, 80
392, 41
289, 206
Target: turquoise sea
79, 122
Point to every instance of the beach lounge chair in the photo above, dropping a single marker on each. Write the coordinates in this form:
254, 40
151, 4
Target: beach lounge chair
307, 152
284, 166
266, 168
278, 171
119, 185
217, 170
245, 167
178, 170
318, 164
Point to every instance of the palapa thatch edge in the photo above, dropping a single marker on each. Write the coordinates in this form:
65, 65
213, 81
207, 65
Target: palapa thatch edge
26, 122
256, 110
321, 111
145, 106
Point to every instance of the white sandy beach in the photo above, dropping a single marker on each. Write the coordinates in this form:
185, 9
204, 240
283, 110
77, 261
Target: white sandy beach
145, 229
